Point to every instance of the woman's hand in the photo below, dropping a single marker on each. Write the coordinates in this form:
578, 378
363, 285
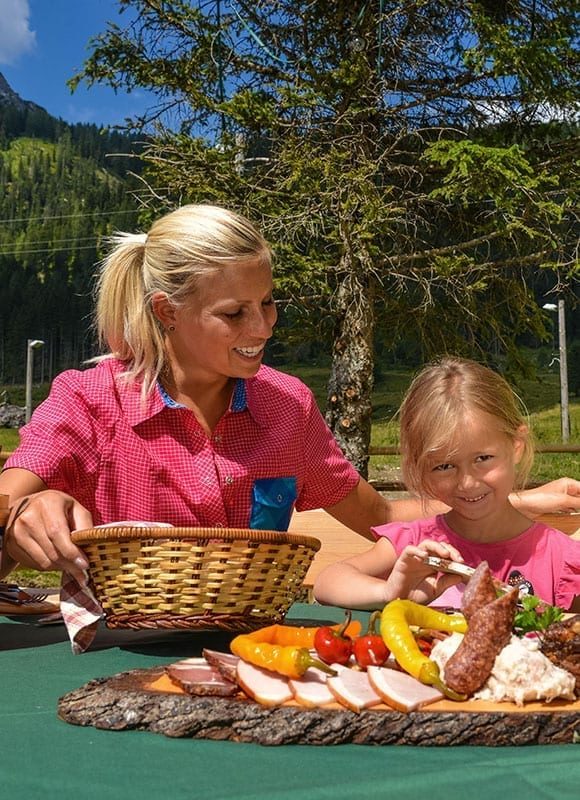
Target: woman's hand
38, 531
562, 494
412, 579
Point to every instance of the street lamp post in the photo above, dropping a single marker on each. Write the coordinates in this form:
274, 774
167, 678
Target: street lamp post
563, 360
32, 345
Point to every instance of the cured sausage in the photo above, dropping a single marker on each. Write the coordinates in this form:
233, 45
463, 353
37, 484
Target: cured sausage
490, 629
479, 591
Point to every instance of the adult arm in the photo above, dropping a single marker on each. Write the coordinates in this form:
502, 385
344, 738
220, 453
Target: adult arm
37, 533
364, 507
561, 495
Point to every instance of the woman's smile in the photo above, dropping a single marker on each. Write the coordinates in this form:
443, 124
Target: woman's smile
250, 352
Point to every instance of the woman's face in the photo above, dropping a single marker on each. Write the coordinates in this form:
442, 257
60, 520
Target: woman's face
222, 328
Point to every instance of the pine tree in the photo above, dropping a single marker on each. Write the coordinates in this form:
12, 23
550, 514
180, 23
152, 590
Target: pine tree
356, 133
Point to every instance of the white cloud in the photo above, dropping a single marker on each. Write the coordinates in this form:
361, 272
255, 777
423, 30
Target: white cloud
16, 38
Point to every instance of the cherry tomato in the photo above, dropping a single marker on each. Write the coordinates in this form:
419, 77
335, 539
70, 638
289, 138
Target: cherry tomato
370, 649
332, 644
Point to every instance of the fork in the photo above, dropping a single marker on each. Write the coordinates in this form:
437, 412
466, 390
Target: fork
12, 593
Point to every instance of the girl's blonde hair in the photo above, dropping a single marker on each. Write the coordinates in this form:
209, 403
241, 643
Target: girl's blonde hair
182, 246
435, 408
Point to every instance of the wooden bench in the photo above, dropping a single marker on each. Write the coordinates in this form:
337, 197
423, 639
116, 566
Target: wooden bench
339, 542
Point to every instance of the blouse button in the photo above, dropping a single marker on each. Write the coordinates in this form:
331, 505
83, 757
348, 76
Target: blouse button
228, 480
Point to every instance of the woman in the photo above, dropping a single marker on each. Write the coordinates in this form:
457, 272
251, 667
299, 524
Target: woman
180, 422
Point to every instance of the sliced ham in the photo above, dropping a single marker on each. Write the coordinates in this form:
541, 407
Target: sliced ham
311, 690
353, 689
400, 690
267, 688
225, 662
198, 677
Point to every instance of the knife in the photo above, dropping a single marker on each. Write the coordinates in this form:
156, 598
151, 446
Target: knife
457, 568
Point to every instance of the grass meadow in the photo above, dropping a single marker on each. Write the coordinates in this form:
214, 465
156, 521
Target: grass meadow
541, 397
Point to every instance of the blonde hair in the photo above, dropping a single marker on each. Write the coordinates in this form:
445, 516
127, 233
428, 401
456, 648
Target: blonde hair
436, 405
182, 246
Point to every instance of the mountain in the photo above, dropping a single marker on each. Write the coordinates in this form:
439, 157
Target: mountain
61, 194
8, 97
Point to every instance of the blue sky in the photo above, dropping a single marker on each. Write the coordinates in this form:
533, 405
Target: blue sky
44, 42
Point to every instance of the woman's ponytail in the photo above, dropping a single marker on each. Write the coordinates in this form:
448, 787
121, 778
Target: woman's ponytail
121, 294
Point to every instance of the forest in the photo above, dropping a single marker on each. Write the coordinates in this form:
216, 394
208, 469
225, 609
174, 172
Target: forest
65, 188
413, 166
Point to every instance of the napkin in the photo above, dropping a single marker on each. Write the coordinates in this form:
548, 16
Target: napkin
81, 612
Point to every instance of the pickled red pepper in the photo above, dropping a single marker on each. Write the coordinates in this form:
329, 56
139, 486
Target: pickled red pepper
396, 619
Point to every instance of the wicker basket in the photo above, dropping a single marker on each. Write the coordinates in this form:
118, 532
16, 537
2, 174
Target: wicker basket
195, 578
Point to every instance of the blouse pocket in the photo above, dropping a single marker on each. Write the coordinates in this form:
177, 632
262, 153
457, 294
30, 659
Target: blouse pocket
272, 503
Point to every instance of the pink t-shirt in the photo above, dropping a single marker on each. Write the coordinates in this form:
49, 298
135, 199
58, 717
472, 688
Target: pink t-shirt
93, 439
547, 558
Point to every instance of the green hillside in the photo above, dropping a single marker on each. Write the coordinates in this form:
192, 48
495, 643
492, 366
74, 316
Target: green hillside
62, 190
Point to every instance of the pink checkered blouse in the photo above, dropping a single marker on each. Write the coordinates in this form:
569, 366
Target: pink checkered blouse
271, 451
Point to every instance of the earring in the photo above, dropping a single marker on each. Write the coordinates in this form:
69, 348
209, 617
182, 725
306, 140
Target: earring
171, 328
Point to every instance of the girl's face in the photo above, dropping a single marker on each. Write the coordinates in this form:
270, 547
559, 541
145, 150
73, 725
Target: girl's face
222, 328
477, 478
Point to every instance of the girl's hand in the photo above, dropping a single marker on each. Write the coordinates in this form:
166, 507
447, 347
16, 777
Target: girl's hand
38, 533
413, 580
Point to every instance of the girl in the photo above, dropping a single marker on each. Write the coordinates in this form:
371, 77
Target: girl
464, 442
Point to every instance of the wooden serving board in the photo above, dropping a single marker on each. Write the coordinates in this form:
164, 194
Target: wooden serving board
130, 701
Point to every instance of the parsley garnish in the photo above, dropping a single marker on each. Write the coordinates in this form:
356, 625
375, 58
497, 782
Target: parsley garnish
535, 615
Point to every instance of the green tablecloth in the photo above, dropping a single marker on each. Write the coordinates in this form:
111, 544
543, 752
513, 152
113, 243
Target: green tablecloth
43, 757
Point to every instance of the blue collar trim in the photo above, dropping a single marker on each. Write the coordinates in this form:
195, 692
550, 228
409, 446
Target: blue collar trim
167, 400
239, 399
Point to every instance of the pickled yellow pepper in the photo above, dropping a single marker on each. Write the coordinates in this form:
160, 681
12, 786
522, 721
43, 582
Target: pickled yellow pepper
396, 619
287, 660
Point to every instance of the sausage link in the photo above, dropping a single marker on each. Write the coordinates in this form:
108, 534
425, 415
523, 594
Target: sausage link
479, 591
490, 629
